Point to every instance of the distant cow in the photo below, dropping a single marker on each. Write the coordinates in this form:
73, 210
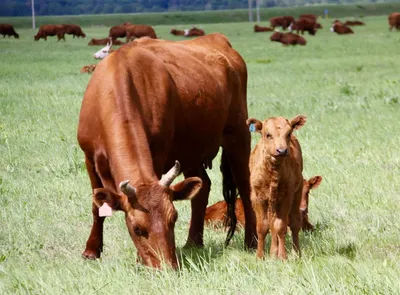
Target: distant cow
118, 31
304, 24
281, 21
318, 26
394, 21
310, 16
258, 29
138, 31
276, 179
88, 69
8, 30
354, 23
104, 41
288, 38
216, 213
177, 32
74, 30
341, 29
50, 30
193, 32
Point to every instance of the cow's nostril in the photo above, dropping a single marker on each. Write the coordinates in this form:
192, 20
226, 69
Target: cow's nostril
281, 151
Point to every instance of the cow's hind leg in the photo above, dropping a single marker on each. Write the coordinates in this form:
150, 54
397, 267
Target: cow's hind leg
237, 146
94, 244
199, 205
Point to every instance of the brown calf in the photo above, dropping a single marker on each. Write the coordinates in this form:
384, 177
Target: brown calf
258, 29
354, 23
341, 29
118, 31
276, 182
8, 30
309, 16
138, 31
288, 38
216, 213
281, 21
50, 30
177, 32
88, 69
74, 30
304, 24
104, 41
394, 21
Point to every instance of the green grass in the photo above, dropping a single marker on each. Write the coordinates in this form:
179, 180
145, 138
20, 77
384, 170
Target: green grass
349, 88
214, 16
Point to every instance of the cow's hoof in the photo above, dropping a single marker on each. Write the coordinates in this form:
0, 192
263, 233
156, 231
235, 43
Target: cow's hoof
91, 255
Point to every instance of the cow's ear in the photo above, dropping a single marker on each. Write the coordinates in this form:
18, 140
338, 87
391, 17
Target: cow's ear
298, 122
254, 125
315, 181
187, 189
104, 198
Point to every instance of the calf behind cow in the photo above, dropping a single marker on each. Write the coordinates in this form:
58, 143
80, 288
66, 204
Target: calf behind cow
276, 166
288, 39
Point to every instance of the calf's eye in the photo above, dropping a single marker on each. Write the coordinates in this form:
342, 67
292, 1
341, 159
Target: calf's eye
269, 136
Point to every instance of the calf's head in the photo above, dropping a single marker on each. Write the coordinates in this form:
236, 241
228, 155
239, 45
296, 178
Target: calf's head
276, 36
276, 134
308, 185
150, 214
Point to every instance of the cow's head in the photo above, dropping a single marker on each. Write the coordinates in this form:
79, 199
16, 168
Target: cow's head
291, 27
36, 37
102, 53
150, 214
308, 185
276, 134
276, 36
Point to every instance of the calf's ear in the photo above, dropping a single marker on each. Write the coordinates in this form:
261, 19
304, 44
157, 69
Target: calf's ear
187, 189
298, 122
315, 181
103, 198
254, 125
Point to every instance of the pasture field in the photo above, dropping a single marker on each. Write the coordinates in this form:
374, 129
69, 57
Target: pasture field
347, 86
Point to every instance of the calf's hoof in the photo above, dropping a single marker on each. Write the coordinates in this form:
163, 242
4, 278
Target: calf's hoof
90, 254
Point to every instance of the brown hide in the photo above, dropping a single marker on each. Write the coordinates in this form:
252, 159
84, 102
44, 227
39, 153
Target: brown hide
74, 30
281, 21
309, 16
50, 30
276, 179
304, 24
216, 213
177, 32
341, 29
104, 41
118, 31
148, 104
288, 39
394, 21
138, 31
8, 30
258, 29
354, 23
88, 69
195, 32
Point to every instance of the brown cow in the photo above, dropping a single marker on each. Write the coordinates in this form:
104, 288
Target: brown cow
354, 23
193, 32
276, 166
50, 30
341, 29
318, 26
138, 31
7, 29
118, 31
177, 32
88, 69
104, 41
216, 213
288, 38
74, 30
153, 103
394, 21
304, 24
310, 16
281, 21
258, 29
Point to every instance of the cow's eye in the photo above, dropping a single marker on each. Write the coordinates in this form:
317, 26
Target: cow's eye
139, 231
289, 135
269, 136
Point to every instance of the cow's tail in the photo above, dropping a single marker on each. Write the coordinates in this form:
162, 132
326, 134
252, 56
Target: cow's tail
229, 192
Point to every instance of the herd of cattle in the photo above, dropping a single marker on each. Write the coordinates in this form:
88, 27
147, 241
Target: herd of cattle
158, 104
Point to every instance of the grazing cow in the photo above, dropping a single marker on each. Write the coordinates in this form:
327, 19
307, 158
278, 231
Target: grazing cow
153, 104
276, 166
8, 30
309, 16
341, 29
104, 41
105, 51
88, 69
74, 30
354, 23
118, 31
258, 29
288, 38
304, 24
138, 31
216, 213
281, 21
50, 30
394, 21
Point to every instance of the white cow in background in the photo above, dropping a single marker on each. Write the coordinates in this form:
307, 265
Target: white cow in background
102, 53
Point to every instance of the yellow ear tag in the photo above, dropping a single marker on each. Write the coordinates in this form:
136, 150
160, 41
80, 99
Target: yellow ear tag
105, 210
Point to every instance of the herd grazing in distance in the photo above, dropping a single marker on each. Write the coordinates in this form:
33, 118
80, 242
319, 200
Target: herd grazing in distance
126, 166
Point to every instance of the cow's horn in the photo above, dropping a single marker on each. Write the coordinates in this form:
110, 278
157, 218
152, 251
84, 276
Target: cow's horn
169, 177
127, 189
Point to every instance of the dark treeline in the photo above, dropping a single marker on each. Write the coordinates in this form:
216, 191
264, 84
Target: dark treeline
74, 7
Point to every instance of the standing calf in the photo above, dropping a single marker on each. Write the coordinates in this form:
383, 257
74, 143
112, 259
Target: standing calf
276, 181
